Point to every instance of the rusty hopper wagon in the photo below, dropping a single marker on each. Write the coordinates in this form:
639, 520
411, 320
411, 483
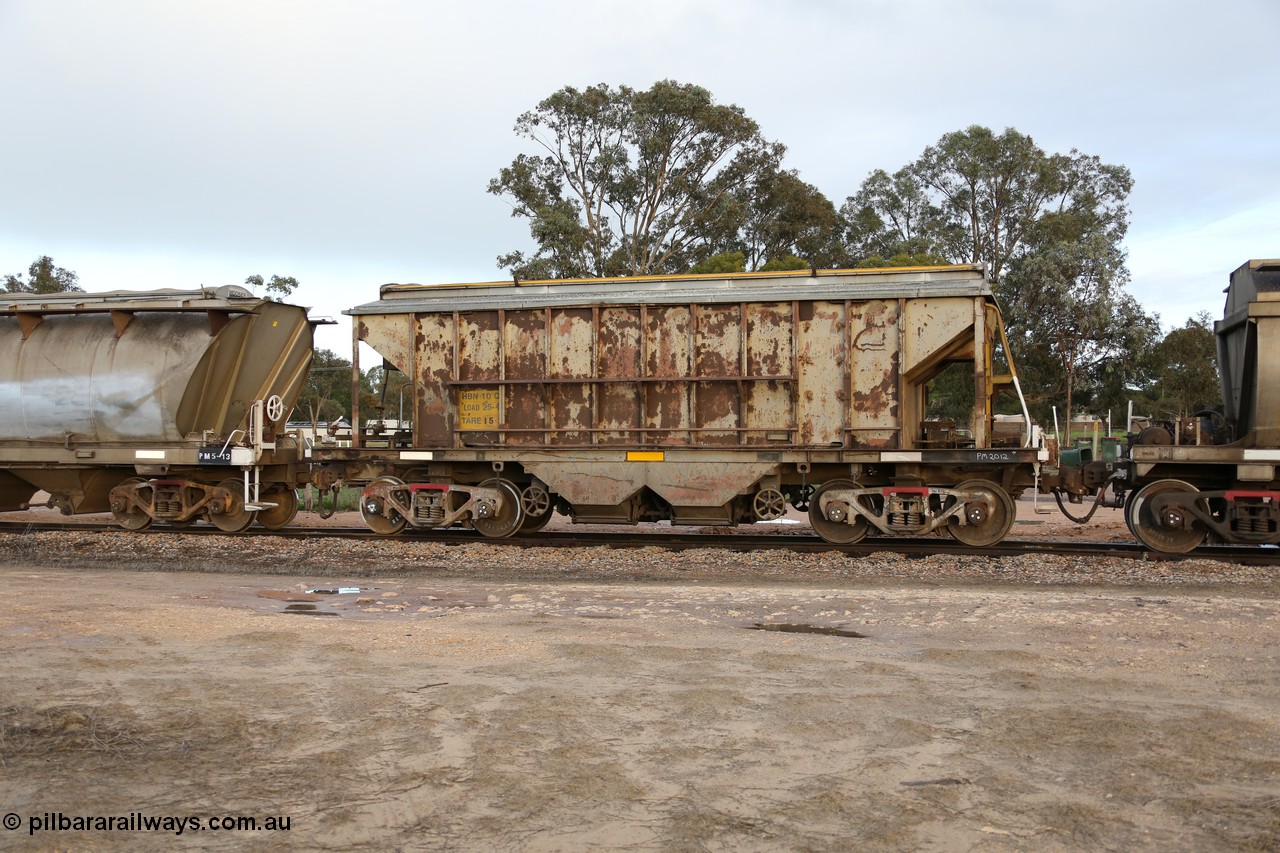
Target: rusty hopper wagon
162, 405
707, 400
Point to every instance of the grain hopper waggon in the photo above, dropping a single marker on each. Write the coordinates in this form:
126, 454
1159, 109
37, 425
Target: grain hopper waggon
704, 400
162, 405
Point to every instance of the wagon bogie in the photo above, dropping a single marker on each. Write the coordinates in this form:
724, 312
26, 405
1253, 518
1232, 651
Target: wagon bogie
494, 507
976, 512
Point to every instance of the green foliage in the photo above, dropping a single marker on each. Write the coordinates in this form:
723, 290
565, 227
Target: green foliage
892, 216
327, 395
1072, 310
1188, 359
725, 262
951, 395
978, 197
276, 290
43, 277
386, 394
902, 259
630, 182
782, 217
785, 263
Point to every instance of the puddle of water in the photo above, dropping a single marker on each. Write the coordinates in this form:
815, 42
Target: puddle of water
793, 628
308, 610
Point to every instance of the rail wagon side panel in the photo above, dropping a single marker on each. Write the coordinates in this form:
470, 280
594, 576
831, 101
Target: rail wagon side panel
874, 341
717, 406
616, 399
811, 373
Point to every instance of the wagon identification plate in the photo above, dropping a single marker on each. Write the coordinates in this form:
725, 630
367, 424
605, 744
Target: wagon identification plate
213, 456
478, 409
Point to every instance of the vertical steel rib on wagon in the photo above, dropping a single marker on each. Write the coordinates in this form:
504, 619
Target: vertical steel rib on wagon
699, 399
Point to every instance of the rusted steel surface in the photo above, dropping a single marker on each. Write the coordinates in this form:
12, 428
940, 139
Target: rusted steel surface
618, 360
436, 356
573, 350
874, 373
834, 360
717, 354
524, 352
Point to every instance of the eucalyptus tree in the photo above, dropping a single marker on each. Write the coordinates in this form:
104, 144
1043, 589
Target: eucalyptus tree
43, 277
1188, 358
275, 289
631, 182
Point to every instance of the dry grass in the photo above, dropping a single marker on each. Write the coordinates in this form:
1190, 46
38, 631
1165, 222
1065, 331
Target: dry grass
69, 732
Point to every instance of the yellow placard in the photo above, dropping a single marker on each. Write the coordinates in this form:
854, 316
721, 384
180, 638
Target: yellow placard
479, 408
645, 456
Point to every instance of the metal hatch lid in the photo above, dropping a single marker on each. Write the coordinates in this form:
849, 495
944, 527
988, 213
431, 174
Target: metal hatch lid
862, 284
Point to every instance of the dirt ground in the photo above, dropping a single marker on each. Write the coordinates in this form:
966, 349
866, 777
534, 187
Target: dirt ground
417, 712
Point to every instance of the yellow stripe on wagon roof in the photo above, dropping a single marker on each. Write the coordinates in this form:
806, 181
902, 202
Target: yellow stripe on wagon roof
780, 274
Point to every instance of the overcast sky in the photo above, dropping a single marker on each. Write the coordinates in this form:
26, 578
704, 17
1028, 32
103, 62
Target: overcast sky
176, 143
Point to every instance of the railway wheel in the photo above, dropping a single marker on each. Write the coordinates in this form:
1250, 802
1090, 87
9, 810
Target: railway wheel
989, 518
506, 520
377, 517
128, 514
536, 503
285, 510
228, 514
1162, 529
834, 520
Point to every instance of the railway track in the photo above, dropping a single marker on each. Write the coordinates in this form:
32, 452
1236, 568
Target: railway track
801, 543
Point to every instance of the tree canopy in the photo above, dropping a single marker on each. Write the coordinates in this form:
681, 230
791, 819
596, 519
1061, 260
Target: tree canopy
275, 290
43, 277
632, 182
1188, 359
